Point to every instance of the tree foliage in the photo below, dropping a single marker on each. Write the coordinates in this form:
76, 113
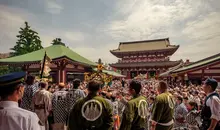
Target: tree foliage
28, 41
58, 41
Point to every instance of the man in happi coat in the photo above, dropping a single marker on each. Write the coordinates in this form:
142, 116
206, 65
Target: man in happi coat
58, 107
41, 104
74, 94
163, 109
92, 112
136, 110
31, 87
180, 114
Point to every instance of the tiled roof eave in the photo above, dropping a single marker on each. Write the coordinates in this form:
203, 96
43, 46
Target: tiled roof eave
53, 61
144, 64
171, 50
196, 67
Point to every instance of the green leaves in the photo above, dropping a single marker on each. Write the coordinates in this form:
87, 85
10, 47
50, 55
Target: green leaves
57, 41
28, 41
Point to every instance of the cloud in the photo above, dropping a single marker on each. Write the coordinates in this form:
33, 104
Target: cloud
205, 27
74, 36
94, 53
9, 23
53, 6
204, 36
190, 24
145, 19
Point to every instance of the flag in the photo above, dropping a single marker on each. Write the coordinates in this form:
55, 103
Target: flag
45, 69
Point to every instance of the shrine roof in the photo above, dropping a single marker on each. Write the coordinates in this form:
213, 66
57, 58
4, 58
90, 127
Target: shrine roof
199, 64
171, 69
146, 45
53, 52
147, 64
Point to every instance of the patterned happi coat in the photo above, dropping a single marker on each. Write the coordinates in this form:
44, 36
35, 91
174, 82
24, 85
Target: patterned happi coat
92, 112
41, 105
163, 110
60, 111
73, 96
193, 120
29, 92
180, 116
135, 114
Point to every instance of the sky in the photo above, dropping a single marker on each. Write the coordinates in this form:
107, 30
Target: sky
93, 27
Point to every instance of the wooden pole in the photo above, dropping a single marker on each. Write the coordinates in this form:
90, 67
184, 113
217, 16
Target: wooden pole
42, 70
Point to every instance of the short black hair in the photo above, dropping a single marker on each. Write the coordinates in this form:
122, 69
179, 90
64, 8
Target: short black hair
136, 85
180, 98
212, 82
30, 80
42, 85
94, 85
8, 90
76, 83
163, 85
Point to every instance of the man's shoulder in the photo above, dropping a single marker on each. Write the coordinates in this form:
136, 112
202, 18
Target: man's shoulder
137, 99
25, 113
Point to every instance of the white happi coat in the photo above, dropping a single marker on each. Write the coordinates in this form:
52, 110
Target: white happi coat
43, 98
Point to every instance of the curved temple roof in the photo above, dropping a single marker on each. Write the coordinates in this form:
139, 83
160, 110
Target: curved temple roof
199, 64
146, 64
144, 46
53, 52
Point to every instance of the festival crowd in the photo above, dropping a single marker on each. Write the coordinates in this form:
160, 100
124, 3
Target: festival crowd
138, 104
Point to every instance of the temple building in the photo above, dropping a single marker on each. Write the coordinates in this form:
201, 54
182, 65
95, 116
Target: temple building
150, 57
196, 72
65, 65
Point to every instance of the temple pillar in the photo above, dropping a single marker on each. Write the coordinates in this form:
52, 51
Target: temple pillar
58, 75
61, 72
128, 74
25, 68
203, 75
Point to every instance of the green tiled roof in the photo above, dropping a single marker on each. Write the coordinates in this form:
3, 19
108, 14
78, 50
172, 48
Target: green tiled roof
200, 63
54, 52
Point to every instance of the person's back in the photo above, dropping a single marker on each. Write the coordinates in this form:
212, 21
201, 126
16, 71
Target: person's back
41, 103
165, 104
92, 112
12, 117
30, 89
87, 118
139, 113
163, 109
74, 94
136, 111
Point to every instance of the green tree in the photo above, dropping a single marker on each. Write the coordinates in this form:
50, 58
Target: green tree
58, 41
28, 41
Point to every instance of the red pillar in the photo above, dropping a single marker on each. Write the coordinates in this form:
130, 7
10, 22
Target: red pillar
61, 72
128, 74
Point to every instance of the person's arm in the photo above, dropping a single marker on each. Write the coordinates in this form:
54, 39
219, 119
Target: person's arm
215, 110
127, 118
156, 113
35, 122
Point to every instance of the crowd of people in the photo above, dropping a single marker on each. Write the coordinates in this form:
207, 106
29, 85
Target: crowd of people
144, 104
